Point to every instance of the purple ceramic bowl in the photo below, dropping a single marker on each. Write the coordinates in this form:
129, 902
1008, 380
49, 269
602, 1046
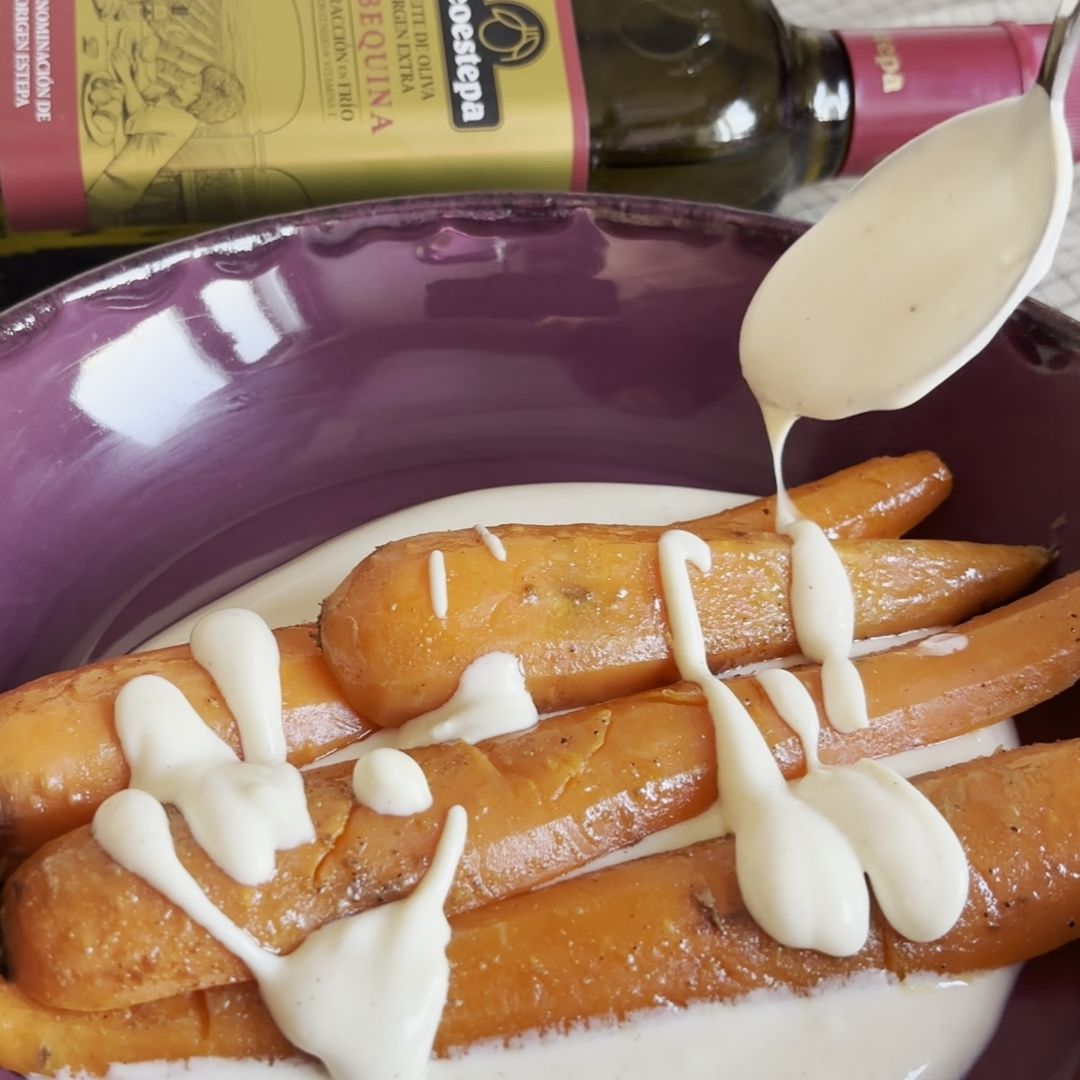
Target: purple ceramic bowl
174, 424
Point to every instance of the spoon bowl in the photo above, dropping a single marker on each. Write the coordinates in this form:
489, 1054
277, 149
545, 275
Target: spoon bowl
914, 271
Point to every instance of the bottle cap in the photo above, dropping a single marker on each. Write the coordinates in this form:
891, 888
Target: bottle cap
907, 80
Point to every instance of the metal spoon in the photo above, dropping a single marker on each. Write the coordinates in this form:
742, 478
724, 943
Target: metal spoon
1061, 46
914, 271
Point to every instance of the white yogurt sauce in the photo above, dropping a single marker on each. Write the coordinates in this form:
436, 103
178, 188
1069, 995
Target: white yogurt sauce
177, 759
914, 271
870, 1028
364, 993
795, 706
884, 1029
920, 876
492, 542
803, 851
823, 613
801, 883
388, 781
491, 699
440, 600
240, 653
241, 812
942, 645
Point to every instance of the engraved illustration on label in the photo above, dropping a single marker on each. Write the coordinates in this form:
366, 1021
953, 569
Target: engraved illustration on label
140, 117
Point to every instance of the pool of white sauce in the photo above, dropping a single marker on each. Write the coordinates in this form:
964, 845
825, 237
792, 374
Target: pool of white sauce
871, 1027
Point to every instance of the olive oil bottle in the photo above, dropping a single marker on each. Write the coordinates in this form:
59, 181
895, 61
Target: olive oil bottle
719, 101
126, 122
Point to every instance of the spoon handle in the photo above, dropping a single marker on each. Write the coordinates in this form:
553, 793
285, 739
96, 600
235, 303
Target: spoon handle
1060, 51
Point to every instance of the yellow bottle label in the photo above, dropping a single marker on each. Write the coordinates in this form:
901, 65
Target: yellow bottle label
121, 120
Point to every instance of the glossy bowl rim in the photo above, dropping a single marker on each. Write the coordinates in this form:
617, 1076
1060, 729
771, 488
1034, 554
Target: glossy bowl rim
513, 208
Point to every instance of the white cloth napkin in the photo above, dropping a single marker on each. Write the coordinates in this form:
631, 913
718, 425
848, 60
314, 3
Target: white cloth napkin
1061, 287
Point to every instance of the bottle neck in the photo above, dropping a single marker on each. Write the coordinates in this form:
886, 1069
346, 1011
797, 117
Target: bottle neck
905, 81
819, 91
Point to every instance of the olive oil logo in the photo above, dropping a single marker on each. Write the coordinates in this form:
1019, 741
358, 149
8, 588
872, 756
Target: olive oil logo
478, 37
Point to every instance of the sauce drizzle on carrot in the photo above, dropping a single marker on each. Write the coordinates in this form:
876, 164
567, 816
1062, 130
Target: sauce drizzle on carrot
367, 988
802, 851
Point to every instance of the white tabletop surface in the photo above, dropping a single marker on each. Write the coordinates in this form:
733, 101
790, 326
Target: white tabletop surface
1061, 287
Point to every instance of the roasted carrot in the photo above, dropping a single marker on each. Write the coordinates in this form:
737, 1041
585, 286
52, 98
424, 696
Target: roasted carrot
879, 499
541, 804
580, 606
574, 952
229, 1022
683, 911
62, 758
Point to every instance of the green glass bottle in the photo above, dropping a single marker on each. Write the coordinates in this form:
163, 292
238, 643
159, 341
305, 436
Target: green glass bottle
724, 101
720, 102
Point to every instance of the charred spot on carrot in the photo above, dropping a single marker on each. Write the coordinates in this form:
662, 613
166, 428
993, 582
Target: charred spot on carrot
703, 898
